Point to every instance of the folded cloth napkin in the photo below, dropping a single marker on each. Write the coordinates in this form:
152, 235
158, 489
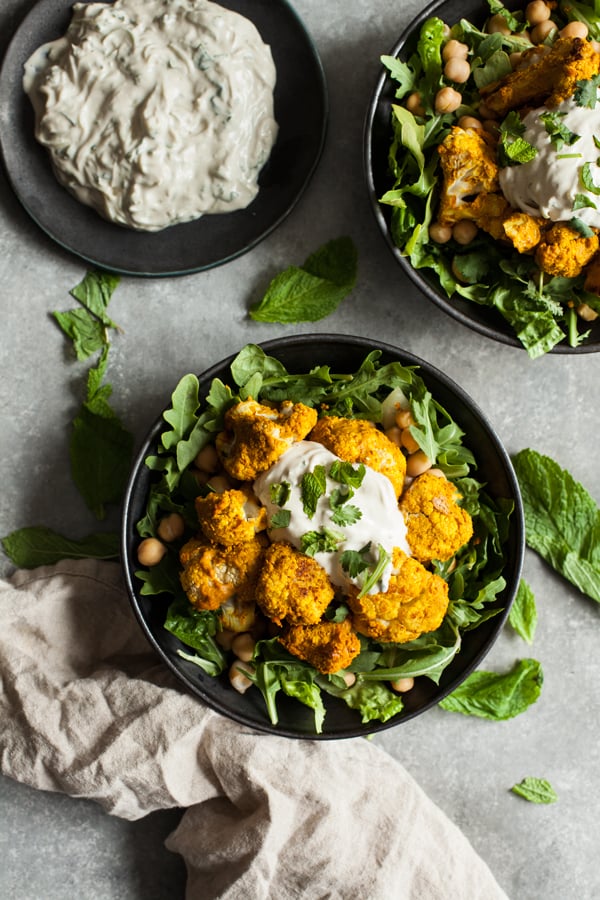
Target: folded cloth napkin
88, 709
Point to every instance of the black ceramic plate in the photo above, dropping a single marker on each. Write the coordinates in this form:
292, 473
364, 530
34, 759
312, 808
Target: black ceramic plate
300, 109
377, 139
343, 354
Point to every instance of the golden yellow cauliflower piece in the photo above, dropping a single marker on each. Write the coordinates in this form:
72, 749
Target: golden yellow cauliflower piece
292, 586
230, 517
436, 525
562, 251
415, 602
256, 436
470, 186
360, 441
213, 573
522, 230
328, 646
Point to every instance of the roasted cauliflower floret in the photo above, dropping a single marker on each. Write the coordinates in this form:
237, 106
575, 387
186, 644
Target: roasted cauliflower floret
436, 525
415, 603
212, 573
328, 646
292, 587
522, 230
547, 82
562, 251
592, 276
470, 186
256, 435
360, 441
231, 517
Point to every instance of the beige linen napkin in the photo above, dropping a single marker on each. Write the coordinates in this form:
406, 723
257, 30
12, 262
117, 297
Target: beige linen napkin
88, 709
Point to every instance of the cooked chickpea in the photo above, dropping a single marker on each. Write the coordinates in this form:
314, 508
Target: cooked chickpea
537, 11
219, 484
575, 30
497, 25
414, 104
455, 50
441, 234
207, 460
586, 312
402, 685
349, 678
447, 100
595, 45
457, 70
225, 638
404, 418
469, 122
515, 60
238, 677
464, 231
394, 434
150, 552
243, 646
417, 463
171, 527
541, 31
408, 441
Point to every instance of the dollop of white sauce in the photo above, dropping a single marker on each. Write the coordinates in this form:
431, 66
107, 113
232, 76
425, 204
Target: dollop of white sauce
155, 112
381, 522
548, 184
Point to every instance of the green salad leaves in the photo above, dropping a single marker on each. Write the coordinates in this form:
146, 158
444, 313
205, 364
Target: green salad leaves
475, 579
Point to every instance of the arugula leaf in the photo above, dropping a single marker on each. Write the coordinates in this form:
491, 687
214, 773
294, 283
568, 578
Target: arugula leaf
490, 695
35, 546
313, 291
197, 628
562, 521
372, 699
523, 613
536, 790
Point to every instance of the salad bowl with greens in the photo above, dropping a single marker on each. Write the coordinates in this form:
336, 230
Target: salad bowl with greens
347, 377
481, 281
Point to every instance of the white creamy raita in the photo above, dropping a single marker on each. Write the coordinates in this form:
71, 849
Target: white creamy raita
155, 112
380, 523
553, 184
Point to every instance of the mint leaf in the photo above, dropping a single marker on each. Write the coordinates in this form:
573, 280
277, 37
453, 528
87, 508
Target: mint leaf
536, 790
562, 521
312, 488
279, 494
35, 546
490, 695
313, 291
523, 613
86, 332
580, 227
347, 473
95, 292
280, 519
582, 202
513, 149
100, 451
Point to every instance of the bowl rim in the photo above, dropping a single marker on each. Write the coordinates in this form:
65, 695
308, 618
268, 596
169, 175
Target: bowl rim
517, 526
443, 303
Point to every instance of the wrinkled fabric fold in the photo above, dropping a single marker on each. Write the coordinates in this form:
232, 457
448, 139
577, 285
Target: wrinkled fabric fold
89, 710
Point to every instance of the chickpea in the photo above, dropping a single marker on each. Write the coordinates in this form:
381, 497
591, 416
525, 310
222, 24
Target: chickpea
171, 527
467, 122
238, 676
414, 104
219, 484
497, 25
438, 473
150, 552
404, 418
225, 638
417, 463
595, 46
537, 11
243, 646
575, 30
394, 434
401, 685
408, 441
441, 234
586, 312
455, 50
515, 60
464, 231
457, 70
349, 678
447, 100
541, 31
207, 460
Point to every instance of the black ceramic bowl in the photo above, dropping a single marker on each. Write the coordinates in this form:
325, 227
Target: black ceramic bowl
299, 354
376, 144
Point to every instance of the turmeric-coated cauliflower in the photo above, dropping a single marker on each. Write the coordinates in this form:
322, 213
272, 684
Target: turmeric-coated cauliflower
292, 586
415, 603
563, 251
360, 441
328, 646
256, 435
470, 185
436, 525
522, 230
213, 573
230, 517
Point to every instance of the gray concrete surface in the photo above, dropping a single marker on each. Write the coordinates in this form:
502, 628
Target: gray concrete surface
55, 848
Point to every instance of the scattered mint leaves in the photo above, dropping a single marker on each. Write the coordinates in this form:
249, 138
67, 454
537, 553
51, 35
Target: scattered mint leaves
280, 519
323, 541
535, 790
513, 149
279, 494
490, 695
313, 291
312, 488
35, 546
523, 613
347, 473
562, 520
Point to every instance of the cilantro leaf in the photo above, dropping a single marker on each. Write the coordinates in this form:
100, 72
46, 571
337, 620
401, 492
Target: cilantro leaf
557, 131
587, 179
279, 493
346, 515
535, 790
586, 92
354, 562
347, 473
582, 202
312, 488
323, 541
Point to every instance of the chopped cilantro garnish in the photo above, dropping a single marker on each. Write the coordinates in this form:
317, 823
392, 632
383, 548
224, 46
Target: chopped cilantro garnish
586, 92
280, 493
557, 131
376, 573
346, 515
324, 541
346, 473
353, 562
587, 179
